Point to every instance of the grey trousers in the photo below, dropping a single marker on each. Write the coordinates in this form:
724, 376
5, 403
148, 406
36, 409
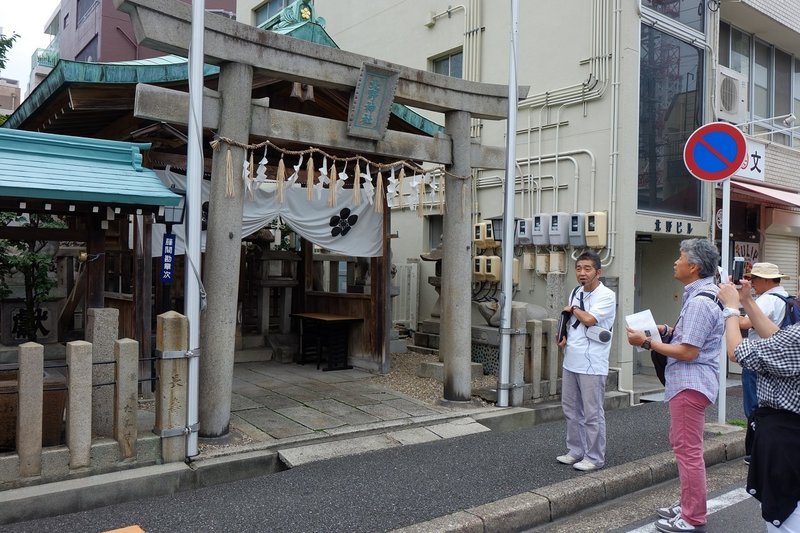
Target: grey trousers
582, 402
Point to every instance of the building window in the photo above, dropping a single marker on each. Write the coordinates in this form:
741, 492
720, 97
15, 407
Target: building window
691, 14
83, 9
89, 52
670, 109
268, 10
449, 65
774, 90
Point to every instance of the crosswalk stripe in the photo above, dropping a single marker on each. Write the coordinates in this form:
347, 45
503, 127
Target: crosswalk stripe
717, 504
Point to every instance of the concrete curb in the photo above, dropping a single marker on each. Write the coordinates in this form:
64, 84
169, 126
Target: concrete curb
74, 495
546, 504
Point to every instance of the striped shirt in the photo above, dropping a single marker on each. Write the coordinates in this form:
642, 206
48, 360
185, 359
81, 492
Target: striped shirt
701, 325
777, 362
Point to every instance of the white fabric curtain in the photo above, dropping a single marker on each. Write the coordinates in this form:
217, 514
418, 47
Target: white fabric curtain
346, 229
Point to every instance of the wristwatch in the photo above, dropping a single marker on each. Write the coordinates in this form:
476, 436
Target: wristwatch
646, 344
729, 312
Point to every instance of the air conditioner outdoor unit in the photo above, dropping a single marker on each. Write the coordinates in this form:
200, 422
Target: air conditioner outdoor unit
732, 96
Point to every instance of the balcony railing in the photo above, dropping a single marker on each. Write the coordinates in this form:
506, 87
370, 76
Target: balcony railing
44, 57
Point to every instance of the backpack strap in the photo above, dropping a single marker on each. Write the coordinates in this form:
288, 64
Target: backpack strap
712, 296
574, 292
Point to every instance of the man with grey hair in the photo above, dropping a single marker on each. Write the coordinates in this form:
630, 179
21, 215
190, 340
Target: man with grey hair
692, 378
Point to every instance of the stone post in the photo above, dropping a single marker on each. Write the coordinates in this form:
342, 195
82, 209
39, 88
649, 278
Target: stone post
29, 410
456, 322
172, 335
79, 403
534, 328
102, 329
126, 404
223, 251
553, 355
517, 354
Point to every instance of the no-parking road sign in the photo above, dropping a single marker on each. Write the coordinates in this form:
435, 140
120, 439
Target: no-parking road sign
715, 151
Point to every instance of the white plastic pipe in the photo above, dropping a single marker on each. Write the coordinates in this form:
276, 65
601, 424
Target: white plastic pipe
508, 216
194, 179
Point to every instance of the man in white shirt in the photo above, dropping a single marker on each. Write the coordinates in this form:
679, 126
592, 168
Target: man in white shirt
592, 306
766, 281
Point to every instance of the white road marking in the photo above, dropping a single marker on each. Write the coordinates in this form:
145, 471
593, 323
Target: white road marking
717, 504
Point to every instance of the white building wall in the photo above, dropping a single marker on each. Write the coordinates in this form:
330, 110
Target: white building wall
562, 45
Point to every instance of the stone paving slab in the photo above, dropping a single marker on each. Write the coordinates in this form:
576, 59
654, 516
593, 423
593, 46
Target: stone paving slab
241, 403
384, 412
413, 436
301, 394
411, 407
311, 418
352, 399
248, 389
456, 429
276, 401
348, 414
273, 424
317, 452
252, 432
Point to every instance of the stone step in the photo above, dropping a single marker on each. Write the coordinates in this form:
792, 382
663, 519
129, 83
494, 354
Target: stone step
250, 355
426, 339
421, 349
252, 341
435, 370
430, 326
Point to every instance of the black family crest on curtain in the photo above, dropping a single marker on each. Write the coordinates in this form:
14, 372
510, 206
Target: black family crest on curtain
342, 222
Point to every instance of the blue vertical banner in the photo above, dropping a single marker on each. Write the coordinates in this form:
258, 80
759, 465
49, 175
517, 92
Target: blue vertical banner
167, 258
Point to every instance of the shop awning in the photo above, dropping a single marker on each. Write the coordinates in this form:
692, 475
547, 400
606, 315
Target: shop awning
767, 194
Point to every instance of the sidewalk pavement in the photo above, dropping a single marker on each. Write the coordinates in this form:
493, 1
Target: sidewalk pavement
506, 477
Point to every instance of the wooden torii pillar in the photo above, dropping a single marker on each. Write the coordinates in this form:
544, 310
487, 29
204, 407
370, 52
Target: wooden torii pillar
166, 25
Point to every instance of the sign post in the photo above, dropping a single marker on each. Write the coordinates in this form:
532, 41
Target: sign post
714, 152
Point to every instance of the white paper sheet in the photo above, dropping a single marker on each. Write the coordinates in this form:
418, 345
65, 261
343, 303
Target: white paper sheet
643, 321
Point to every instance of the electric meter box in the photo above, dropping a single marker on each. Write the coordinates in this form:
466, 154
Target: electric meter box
558, 229
489, 241
529, 261
596, 229
558, 262
540, 236
543, 263
494, 268
577, 230
479, 235
478, 267
523, 235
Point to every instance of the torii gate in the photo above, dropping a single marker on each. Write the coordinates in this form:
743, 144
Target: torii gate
239, 49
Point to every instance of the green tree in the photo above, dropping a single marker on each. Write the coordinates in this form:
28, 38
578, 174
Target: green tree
34, 260
6, 42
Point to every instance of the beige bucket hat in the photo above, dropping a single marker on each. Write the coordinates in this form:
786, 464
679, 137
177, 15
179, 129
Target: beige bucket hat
765, 270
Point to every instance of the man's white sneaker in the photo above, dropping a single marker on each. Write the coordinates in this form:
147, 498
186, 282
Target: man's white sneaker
567, 459
585, 466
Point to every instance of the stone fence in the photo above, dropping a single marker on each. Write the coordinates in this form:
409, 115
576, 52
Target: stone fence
37, 404
534, 360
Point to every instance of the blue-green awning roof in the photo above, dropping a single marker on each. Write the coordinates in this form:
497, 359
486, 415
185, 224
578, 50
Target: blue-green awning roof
60, 167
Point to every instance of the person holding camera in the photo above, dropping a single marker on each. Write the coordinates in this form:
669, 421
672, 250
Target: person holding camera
774, 474
590, 315
765, 279
692, 379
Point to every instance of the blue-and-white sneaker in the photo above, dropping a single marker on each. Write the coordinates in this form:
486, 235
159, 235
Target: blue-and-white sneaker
678, 525
668, 513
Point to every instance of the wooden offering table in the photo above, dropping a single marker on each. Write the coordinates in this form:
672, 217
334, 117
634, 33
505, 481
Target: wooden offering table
323, 336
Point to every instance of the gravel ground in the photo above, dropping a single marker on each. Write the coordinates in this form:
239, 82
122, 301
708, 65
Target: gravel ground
402, 377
